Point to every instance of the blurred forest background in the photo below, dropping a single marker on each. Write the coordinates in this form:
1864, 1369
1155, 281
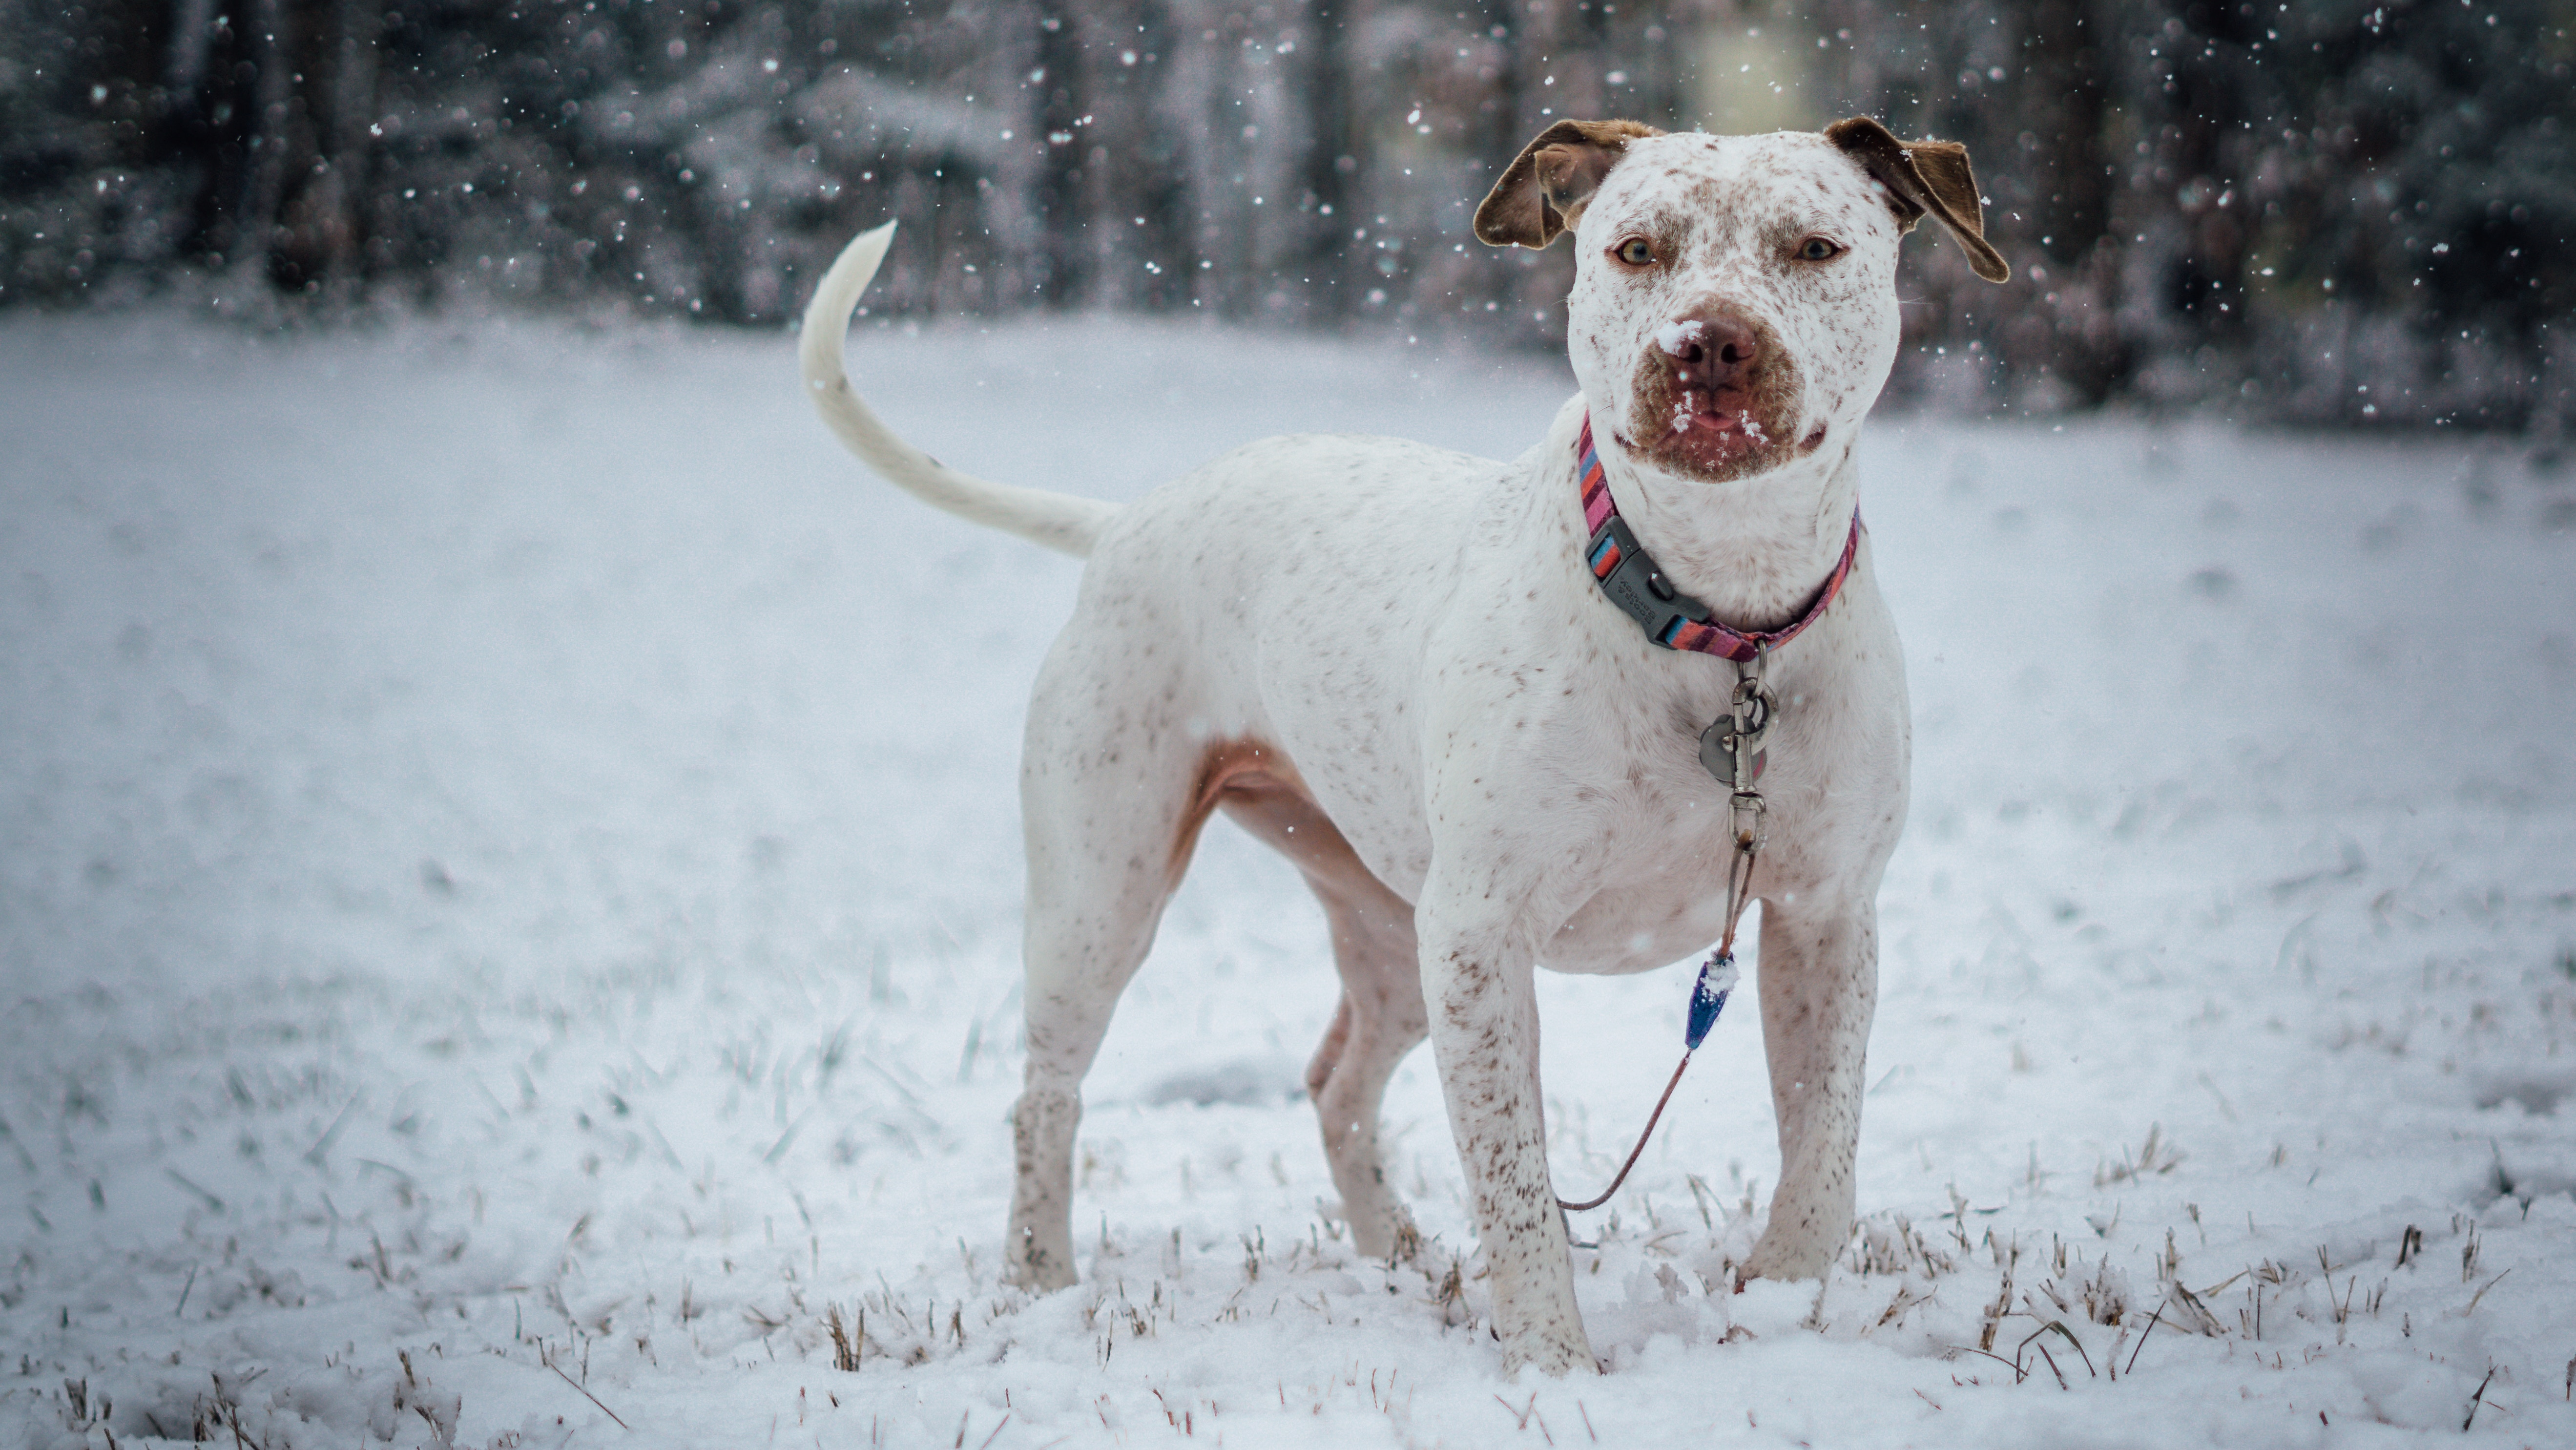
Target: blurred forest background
2328, 211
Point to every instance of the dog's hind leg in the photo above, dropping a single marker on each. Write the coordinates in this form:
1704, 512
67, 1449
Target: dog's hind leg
1112, 807
1381, 1014
1380, 1020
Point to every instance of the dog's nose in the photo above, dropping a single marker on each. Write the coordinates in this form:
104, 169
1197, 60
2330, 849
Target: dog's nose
1713, 350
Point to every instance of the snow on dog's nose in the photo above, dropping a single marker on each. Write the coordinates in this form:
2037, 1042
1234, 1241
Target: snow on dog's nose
1716, 391
1714, 341
1713, 354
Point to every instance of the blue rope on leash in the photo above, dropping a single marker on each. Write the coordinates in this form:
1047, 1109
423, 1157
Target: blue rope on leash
1717, 978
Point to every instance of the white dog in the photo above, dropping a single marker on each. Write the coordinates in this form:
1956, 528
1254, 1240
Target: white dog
1422, 677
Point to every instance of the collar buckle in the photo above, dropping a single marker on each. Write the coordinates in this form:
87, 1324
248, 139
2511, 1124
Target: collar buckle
1628, 574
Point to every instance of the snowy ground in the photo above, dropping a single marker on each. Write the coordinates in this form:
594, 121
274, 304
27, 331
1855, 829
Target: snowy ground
508, 906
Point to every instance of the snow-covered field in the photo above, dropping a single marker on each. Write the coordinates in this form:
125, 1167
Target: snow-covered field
509, 888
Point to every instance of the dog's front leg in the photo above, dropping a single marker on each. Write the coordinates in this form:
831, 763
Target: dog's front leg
1476, 969
1819, 988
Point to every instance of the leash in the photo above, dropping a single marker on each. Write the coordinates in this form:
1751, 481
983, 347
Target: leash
1737, 736
1731, 748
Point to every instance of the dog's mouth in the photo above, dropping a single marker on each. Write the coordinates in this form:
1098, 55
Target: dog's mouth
1718, 431
1715, 425
1721, 435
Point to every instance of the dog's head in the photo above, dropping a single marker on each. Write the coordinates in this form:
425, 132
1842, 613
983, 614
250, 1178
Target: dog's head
1734, 299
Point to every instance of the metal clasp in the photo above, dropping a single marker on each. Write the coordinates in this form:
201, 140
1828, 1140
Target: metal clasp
1731, 747
1752, 821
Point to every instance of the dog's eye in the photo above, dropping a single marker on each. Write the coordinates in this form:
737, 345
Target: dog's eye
1636, 252
1818, 249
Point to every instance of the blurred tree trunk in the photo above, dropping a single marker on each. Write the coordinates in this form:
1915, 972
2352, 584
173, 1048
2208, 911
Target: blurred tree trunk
270, 140
1506, 129
320, 226
1063, 116
1330, 162
2069, 180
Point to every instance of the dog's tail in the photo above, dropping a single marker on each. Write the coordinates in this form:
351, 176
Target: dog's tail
1057, 520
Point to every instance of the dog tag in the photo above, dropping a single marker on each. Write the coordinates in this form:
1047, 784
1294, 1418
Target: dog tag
1731, 747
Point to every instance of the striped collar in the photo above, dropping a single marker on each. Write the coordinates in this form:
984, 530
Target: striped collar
1628, 574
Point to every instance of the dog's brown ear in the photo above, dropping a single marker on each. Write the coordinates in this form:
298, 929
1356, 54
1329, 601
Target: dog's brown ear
1924, 176
1544, 190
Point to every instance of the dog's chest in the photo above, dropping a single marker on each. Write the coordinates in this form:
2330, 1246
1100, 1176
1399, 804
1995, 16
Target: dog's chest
1663, 828
1658, 890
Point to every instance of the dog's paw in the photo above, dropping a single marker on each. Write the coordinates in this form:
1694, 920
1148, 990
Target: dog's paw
1553, 1350
1037, 1269
1780, 1256
1039, 1280
1388, 1236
